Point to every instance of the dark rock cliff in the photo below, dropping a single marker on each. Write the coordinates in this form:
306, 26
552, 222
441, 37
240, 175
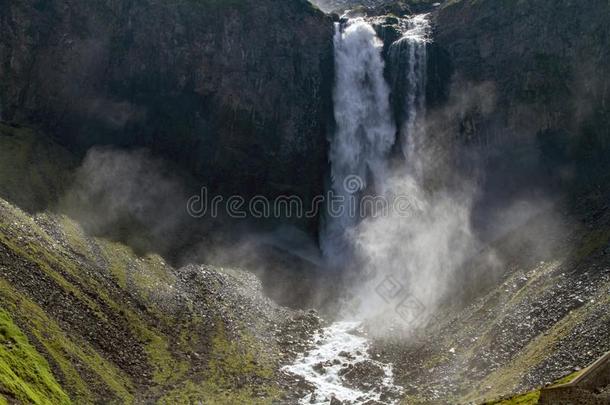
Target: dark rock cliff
237, 92
542, 67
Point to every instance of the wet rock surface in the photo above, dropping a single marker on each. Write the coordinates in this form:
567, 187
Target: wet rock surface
529, 57
364, 375
338, 368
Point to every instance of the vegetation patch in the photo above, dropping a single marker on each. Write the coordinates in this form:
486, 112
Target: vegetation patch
531, 398
239, 371
75, 359
24, 373
568, 379
119, 258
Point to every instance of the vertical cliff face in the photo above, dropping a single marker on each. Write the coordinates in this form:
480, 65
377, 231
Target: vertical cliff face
236, 91
546, 66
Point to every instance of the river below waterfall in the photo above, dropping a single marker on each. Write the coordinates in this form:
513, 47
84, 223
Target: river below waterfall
340, 368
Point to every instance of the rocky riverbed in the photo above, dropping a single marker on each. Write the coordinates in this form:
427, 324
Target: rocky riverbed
339, 369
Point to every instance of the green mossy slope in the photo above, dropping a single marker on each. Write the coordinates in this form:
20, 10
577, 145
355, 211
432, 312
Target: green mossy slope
86, 320
24, 374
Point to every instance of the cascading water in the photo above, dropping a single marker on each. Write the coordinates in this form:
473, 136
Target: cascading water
360, 157
411, 254
409, 58
365, 126
365, 130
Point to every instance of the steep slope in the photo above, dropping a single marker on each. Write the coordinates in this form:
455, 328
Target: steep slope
547, 319
237, 92
85, 320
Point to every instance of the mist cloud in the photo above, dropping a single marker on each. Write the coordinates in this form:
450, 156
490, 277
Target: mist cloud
412, 264
129, 195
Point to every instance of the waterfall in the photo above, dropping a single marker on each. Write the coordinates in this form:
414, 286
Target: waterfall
406, 257
408, 57
365, 130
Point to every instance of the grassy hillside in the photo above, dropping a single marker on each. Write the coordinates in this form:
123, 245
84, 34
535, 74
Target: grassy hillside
88, 321
25, 374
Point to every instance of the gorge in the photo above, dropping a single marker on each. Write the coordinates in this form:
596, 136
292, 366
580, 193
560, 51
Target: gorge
461, 253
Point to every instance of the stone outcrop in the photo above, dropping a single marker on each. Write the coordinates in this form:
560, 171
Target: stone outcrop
378, 7
589, 388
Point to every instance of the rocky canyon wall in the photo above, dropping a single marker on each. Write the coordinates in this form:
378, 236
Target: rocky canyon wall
539, 72
236, 92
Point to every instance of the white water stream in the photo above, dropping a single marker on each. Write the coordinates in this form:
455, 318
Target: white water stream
327, 365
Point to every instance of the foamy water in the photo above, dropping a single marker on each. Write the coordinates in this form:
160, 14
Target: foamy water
418, 28
331, 345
